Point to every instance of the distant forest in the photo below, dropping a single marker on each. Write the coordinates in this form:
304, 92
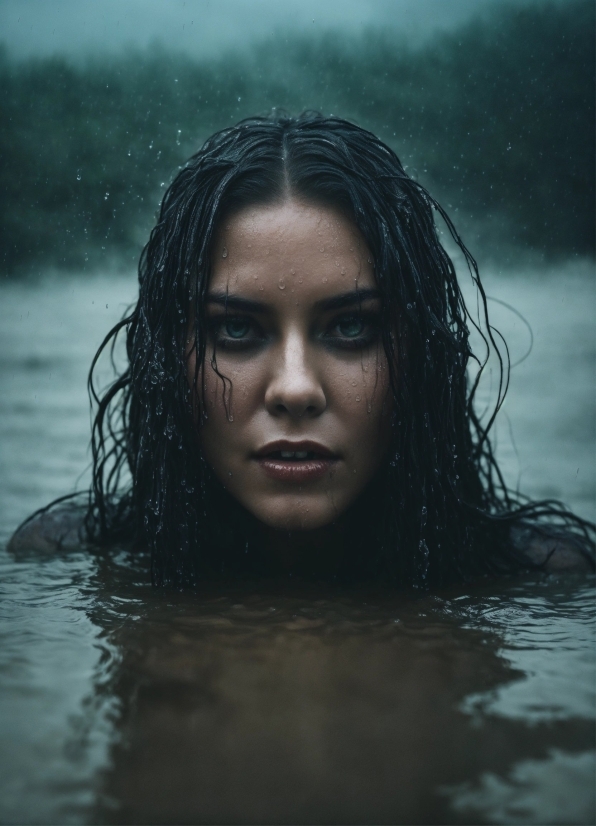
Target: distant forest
497, 119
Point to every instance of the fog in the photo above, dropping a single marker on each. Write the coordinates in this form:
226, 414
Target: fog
203, 28
488, 104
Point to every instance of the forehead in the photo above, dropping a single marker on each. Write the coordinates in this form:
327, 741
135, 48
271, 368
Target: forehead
292, 248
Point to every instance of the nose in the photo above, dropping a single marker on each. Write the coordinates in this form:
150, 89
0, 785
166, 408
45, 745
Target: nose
294, 388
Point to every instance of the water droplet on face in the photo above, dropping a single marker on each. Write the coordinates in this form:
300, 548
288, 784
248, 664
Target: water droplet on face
230, 419
357, 398
281, 285
353, 384
224, 252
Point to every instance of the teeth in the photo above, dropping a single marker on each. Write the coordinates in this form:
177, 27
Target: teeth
291, 454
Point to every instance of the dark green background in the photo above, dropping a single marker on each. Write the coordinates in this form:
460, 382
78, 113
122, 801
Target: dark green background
496, 118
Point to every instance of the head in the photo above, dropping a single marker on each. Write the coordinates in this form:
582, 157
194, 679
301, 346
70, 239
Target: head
298, 354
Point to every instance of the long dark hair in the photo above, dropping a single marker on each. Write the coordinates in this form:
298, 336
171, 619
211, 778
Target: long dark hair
440, 508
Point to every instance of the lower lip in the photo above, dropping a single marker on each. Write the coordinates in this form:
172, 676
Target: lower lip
298, 471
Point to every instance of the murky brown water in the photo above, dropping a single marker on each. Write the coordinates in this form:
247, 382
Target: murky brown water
262, 703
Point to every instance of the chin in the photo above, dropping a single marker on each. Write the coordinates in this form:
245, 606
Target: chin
296, 515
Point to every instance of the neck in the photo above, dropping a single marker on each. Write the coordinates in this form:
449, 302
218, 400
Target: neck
315, 553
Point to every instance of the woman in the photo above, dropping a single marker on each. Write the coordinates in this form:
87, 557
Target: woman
296, 399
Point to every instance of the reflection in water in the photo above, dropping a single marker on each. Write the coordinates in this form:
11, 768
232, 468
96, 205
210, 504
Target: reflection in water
277, 705
259, 703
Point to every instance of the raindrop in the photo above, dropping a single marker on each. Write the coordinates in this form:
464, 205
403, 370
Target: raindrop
281, 285
79, 173
106, 306
409, 306
105, 197
224, 252
357, 398
239, 99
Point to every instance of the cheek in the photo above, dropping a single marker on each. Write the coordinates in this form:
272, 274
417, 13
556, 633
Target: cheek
231, 392
365, 403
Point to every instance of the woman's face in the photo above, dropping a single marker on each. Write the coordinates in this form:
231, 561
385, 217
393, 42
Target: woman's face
300, 423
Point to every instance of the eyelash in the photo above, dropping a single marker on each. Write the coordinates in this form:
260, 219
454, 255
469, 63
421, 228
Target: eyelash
369, 320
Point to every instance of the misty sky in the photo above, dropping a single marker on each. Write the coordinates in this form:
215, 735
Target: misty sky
205, 27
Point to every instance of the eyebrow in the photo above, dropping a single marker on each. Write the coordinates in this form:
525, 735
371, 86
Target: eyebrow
235, 302
336, 302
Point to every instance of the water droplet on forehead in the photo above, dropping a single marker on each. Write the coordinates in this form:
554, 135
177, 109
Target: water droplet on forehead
281, 285
224, 252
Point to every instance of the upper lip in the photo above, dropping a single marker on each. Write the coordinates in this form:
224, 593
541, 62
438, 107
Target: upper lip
305, 445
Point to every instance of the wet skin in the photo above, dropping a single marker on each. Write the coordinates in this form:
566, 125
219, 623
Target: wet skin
293, 318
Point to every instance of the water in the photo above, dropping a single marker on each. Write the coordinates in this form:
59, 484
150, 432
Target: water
261, 704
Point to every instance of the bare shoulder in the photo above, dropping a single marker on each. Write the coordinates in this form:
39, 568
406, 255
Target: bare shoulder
55, 529
554, 549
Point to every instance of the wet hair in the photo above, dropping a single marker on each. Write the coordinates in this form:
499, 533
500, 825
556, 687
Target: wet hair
439, 508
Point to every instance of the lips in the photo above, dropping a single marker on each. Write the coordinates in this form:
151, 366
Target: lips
289, 461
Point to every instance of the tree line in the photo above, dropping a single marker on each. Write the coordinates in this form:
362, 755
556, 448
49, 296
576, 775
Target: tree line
496, 118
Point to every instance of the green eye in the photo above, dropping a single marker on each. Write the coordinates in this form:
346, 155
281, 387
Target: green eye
351, 326
236, 327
